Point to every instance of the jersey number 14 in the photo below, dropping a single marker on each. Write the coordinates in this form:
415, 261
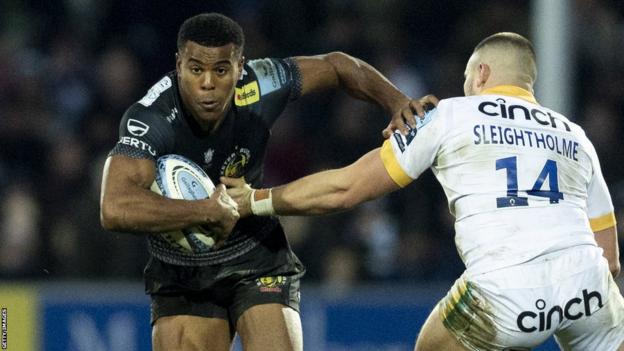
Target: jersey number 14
512, 199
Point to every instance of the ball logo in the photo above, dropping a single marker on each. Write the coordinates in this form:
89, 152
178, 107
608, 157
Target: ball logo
137, 128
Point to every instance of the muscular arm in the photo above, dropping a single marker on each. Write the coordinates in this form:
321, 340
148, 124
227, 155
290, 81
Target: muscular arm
354, 76
324, 192
607, 240
362, 81
127, 204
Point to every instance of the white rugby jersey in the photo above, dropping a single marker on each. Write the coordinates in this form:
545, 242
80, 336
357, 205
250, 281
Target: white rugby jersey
520, 179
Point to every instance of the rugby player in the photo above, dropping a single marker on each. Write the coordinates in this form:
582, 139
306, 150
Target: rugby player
217, 110
535, 224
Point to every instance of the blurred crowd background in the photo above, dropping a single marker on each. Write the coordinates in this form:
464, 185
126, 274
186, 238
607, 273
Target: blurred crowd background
69, 69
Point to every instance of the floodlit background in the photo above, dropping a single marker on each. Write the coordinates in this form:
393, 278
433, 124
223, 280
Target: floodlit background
69, 69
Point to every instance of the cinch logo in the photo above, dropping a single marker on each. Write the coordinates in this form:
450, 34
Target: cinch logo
527, 320
500, 109
248, 94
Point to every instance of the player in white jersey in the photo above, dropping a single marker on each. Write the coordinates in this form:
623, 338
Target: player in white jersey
535, 225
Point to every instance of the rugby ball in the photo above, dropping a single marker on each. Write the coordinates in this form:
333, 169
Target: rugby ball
180, 178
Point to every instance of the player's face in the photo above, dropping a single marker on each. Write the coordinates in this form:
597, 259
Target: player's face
207, 77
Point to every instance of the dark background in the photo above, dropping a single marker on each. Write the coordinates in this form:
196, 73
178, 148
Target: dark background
69, 69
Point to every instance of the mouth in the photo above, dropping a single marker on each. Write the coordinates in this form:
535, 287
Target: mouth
209, 105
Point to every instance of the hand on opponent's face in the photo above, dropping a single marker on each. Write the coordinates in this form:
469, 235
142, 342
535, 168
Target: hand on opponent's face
406, 114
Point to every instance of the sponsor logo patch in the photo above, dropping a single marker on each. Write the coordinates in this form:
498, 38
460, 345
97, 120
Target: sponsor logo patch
208, 157
271, 284
139, 144
173, 115
247, 94
544, 319
137, 128
154, 92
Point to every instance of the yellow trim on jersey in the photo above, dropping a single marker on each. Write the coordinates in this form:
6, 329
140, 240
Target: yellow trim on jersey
602, 222
511, 90
392, 165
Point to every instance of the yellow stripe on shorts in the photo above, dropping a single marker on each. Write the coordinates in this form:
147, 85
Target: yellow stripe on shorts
454, 299
467, 316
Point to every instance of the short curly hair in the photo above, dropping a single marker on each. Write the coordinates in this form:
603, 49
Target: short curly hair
212, 30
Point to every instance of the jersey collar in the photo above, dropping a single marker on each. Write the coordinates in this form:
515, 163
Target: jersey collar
511, 90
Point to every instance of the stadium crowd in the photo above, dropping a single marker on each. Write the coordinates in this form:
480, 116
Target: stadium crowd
70, 68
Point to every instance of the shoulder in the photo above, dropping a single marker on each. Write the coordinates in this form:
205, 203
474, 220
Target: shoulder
268, 67
271, 74
443, 110
161, 92
152, 115
461, 102
267, 80
158, 106
150, 124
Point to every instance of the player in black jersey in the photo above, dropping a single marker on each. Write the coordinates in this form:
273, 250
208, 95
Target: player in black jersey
217, 110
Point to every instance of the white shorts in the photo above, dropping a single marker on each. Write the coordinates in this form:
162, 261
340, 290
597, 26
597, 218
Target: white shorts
570, 294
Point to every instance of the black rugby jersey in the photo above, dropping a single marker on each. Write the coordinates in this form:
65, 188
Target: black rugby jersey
156, 125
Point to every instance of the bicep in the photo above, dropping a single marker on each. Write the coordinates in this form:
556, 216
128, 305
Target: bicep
122, 173
317, 73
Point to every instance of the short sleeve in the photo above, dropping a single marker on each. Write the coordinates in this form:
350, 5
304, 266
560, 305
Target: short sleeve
599, 205
143, 133
407, 157
277, 81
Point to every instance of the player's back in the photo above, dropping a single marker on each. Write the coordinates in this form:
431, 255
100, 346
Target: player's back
517, 176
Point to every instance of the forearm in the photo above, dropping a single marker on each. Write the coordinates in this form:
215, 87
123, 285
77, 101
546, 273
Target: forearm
607, 240
333, 190
140, 210
320, 193
363, 81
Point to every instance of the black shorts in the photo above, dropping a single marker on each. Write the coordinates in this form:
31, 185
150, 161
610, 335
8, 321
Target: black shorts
269, 273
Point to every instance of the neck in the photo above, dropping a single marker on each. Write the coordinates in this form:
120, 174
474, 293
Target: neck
525, 86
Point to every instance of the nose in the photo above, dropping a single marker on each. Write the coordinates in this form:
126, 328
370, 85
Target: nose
207, 81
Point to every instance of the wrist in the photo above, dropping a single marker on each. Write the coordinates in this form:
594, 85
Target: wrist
261, 201
397, 103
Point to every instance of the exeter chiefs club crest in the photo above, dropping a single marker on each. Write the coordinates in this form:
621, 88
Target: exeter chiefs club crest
271, 284
234, 165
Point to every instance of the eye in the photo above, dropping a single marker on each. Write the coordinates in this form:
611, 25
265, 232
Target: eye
221, 71
196, 70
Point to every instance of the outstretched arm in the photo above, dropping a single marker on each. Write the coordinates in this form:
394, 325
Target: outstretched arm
320, 193
362, 81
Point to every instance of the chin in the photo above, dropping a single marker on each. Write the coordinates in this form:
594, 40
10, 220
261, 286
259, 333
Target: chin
209, 119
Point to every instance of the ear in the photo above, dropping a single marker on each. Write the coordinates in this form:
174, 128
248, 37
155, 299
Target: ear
241, 62
484, 74
178, 63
